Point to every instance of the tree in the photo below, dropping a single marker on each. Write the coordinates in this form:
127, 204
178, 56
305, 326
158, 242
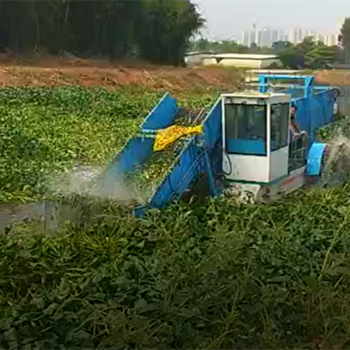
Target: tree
281, 45
316, 54
253, 47
292, 58
345, 39
307, 54
230, 46
306, 45
165, 29
200, 45
320, 56
159, 29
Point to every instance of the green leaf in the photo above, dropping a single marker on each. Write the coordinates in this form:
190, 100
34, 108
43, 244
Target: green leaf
278, 279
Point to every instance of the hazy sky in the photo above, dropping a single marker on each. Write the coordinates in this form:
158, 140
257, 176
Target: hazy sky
228, 17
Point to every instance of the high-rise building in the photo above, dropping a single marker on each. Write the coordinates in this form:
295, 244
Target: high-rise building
321, 38
308, 34
274, 36
249, 37
290, 35
282, 36
253, 37
331, 40
299, 35
245, 40
265, 37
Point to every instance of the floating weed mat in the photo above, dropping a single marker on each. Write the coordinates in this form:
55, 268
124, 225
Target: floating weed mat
212, 276
48, 130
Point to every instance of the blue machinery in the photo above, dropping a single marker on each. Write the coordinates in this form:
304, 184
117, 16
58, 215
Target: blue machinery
205, 154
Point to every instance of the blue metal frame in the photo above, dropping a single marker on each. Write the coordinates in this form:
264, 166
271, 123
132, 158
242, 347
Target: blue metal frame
313, 110
161, 116
135, 152
192, 161
307, 81
314, 159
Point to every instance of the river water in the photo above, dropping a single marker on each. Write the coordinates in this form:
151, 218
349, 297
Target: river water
51, 214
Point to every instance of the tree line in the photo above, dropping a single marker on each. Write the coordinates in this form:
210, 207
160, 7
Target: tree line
156, 30
309, 54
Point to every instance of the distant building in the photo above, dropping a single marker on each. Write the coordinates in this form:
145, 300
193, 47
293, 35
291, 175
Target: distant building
245, 38
267, 36
308, 34
282, 36
196, 57
253, 37
247, 61
296, 35
264, 38
321, 38
248, 38
331, 40
274, 36
299, 35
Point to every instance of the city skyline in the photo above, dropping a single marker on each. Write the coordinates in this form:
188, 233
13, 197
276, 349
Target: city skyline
267, 36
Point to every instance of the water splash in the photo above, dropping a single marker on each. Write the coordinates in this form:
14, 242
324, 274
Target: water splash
84, 184
337, 162
90, 182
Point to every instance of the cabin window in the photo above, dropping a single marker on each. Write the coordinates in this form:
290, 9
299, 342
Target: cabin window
279, 125
245, 129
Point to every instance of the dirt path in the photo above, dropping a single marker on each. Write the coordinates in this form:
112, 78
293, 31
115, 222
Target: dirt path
74, 71
334, 77
102, 73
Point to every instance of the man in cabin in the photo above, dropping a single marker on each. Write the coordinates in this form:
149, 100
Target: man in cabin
299, 138
293, 127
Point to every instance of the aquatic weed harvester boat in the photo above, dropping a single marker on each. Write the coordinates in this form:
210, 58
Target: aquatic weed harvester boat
260, 143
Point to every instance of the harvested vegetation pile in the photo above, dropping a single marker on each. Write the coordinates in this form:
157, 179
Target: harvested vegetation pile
216, 276
145, 178
49, 130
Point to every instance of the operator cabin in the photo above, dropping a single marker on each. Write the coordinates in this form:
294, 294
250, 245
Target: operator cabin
260, 139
